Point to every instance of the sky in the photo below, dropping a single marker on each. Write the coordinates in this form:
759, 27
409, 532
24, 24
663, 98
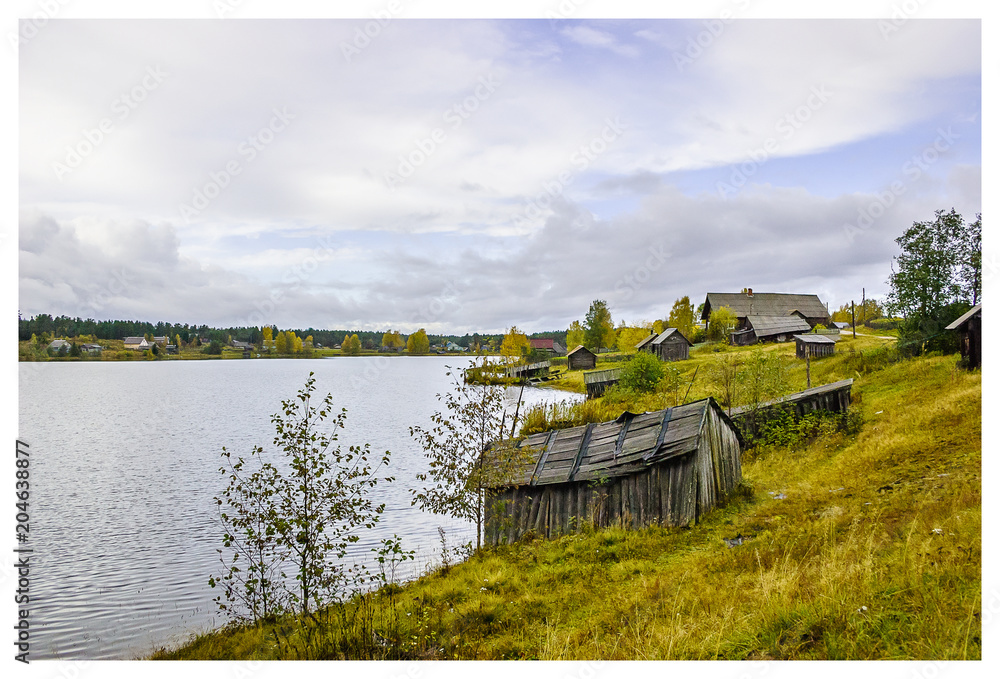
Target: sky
467, 175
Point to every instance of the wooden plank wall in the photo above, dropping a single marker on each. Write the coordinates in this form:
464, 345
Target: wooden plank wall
673, 493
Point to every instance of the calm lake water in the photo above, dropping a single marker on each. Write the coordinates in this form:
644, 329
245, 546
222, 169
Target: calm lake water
124, 468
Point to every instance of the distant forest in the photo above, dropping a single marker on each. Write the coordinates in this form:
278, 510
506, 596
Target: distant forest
65, 326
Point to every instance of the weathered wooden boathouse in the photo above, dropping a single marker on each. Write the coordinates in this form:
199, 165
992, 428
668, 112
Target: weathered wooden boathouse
768, 329
527, 372
666, 467
597, 381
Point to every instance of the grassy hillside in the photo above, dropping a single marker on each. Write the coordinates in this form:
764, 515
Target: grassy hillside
860, 547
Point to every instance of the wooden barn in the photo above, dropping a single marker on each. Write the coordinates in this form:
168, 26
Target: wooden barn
769, 329
666, 467
669, 345
581, 358
745, 304
814, 345
970, 329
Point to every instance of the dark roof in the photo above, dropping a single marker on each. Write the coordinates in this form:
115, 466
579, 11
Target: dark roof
801, 395
978, 309
578, 348
815, 339
777, 325
617, 448
666, 334
765, 304
541, 344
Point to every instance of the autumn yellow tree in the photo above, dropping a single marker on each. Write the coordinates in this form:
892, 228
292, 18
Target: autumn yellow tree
268, 337
629, 336
351, 345
515, 345
574, 336
418, 343
281, 343
682, 316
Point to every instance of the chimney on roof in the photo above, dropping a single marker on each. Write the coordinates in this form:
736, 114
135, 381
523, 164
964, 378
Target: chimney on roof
749, 292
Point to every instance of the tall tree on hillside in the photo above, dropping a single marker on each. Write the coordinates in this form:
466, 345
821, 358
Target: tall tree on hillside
598, 327
682, 316
936, 277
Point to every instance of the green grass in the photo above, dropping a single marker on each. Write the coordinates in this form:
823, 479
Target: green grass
874, 553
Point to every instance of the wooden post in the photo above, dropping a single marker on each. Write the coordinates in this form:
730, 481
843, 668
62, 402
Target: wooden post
854, 328
808, 354
862, 306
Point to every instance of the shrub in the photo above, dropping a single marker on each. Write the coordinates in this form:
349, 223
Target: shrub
642, 373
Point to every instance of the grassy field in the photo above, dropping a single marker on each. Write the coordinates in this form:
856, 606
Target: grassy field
863, 546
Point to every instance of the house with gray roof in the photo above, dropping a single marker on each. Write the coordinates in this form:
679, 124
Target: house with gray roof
773, 304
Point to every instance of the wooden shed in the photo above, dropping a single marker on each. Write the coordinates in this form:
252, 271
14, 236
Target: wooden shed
666, 467
581, 358
769, 329
814, 345
596, 381
669, 345
970, 329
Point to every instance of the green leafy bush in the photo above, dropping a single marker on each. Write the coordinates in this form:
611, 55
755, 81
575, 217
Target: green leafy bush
642, 373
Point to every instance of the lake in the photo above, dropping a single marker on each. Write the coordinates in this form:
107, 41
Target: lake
125, 461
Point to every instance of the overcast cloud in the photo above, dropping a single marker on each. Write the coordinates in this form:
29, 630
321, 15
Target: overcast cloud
466, 175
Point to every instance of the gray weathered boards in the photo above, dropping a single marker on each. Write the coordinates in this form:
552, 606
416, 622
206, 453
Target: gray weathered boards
667, 467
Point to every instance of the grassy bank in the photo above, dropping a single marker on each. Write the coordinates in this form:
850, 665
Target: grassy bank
860, 547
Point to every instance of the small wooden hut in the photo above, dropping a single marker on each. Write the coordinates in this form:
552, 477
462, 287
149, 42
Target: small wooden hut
814, 345
669, 345
666, 467
581, 358
970, 330
596, 381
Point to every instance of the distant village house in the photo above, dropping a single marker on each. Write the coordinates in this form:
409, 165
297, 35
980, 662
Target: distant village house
581, 358
669, 345
970, 336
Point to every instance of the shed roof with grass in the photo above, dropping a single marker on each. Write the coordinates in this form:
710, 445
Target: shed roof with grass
664, 467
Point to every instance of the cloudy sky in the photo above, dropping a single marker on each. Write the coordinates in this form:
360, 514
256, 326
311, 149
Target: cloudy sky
466, 175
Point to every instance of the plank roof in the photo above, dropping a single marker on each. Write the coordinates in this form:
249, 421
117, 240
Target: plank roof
578, 348
646, 340
815, 339
668, 334
604, 450
777, 325
964, 317
765, 304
